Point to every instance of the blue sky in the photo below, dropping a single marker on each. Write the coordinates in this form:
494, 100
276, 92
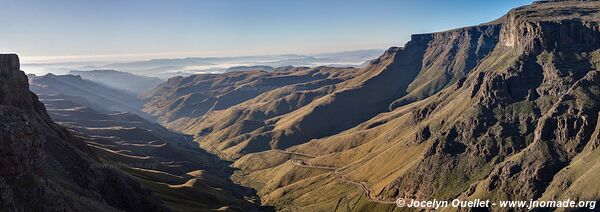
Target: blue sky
133, 29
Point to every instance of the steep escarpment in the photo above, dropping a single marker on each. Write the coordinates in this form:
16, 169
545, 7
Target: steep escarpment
44, 167
521, 124
450, 56
565, 100
427, 64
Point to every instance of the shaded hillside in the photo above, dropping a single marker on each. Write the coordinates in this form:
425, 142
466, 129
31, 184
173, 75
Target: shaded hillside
522, 124
185, 177
184, 98
132, 83
97, 96
45, 168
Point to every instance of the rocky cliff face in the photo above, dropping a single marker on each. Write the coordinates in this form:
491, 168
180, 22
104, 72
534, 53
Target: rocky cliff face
44, 168
21, 147
552, 25
449, 56
554, 82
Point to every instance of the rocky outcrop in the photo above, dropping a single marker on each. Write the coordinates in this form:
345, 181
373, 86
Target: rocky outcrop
21, 147
552, 25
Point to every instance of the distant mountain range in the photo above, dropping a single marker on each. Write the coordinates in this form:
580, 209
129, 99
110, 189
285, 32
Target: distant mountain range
86, 92
131, 83
166, 68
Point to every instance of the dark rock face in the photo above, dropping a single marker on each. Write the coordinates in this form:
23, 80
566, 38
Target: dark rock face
21, 147
45, 168
15, 89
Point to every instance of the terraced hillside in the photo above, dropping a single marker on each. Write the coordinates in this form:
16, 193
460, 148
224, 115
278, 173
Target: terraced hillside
91, 94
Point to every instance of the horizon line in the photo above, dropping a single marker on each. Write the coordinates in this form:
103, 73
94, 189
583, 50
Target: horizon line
36, 60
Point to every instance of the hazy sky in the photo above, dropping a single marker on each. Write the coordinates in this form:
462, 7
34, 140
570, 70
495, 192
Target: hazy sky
134, 29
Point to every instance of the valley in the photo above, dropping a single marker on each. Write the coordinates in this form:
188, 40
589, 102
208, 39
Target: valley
184, 176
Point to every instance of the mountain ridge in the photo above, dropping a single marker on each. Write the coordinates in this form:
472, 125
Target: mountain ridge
132, 83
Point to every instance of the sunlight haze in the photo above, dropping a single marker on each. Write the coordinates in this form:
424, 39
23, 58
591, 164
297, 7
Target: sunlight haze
65, 30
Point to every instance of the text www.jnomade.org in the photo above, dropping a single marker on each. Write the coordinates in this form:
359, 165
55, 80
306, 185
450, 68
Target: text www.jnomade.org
478, 203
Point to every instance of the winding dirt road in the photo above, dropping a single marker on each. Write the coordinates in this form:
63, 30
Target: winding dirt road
361, 185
